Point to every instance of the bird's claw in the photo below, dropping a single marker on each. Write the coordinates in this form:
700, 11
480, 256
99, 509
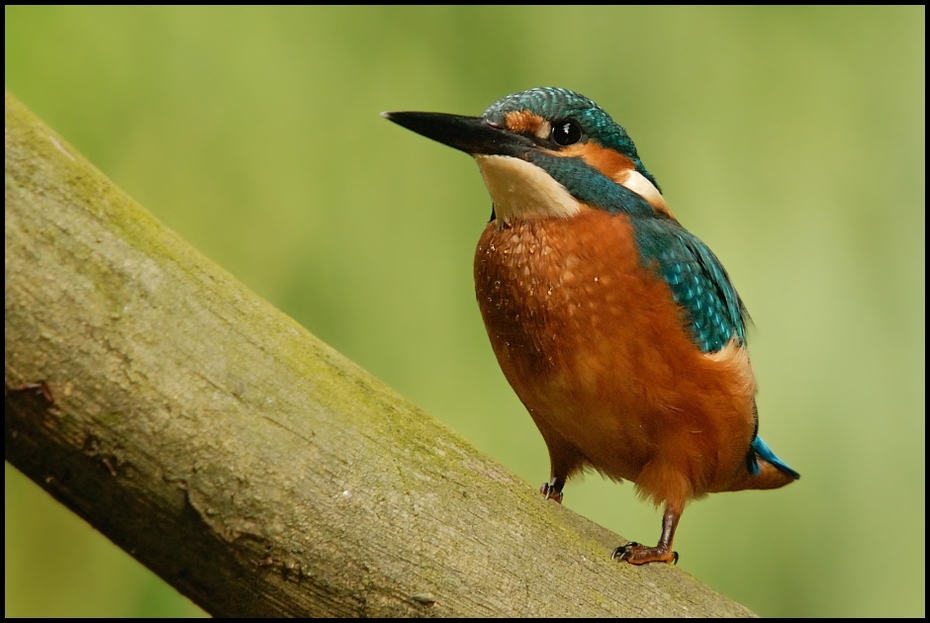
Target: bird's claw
623, 551
550, 492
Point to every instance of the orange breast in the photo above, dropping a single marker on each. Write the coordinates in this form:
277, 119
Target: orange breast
596, 348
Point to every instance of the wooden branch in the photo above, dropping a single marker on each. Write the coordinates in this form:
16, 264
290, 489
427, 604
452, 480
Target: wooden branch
248, 464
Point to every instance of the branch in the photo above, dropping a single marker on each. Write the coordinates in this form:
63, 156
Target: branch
251, 466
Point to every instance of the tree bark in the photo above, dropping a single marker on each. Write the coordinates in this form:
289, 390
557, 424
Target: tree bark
247, 463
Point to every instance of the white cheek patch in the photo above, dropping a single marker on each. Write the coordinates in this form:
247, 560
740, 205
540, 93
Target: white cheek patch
522, 190
640, 184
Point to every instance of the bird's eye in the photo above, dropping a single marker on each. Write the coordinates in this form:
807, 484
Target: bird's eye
566, 132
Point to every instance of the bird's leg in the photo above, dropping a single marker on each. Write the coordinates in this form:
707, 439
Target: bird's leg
637, 554
564, 460
553, 489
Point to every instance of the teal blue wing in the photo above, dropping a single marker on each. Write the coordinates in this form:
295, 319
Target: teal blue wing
697, 280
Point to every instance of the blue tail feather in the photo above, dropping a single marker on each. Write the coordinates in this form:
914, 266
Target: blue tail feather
761, 450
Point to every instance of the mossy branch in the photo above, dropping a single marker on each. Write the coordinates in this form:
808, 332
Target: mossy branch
248, 464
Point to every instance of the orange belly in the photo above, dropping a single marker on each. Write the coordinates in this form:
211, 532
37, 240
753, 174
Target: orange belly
598, 352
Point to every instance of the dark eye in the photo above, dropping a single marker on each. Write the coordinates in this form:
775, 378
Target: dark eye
566, 132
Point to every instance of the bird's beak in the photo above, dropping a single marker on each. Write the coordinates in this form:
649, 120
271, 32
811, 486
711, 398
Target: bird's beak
473, 135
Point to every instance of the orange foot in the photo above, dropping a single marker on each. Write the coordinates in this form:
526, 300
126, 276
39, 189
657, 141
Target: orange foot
637, 554
551, 493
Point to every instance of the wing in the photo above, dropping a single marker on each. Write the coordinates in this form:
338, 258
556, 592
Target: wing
701, 286
697, 279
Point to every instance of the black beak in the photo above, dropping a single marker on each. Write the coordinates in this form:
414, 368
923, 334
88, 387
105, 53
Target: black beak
473, 135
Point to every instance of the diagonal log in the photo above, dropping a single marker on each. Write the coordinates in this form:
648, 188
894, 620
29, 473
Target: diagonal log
251, 466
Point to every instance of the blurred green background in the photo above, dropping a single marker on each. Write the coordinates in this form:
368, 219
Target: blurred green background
790, 139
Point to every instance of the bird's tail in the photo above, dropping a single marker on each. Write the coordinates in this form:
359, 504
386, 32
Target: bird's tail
764, 470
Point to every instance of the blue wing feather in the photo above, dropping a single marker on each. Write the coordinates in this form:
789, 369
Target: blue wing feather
699, 283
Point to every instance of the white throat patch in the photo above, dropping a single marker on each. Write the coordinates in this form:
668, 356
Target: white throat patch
522, 190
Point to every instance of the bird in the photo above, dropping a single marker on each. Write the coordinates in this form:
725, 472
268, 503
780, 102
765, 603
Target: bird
619, 330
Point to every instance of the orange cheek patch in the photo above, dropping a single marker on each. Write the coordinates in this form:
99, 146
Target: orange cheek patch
523, 122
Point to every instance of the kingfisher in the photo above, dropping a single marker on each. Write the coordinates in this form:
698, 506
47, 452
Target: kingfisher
619, 330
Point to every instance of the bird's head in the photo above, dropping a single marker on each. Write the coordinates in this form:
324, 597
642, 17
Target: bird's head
547, 153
